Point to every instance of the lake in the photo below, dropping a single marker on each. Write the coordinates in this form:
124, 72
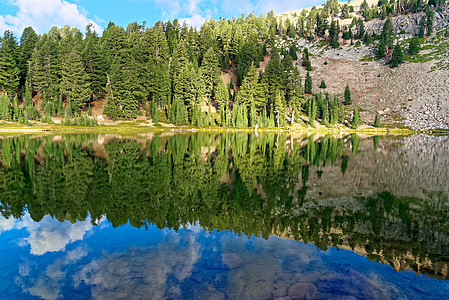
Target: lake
224, 216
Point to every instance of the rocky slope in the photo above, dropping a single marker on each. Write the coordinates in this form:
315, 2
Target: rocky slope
415, 94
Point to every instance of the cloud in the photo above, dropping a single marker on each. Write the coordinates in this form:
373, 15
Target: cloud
47, 284
50, 235
43, 14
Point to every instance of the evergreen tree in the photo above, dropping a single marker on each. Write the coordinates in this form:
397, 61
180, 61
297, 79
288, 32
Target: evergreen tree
210, 70
94, 62
356, 121
326, 111
377, 120
75, 83
342, 114
5, 107
222, 97
279, 109
398, 56
333, 111
348, 100
16, 110
323, 85
414, 47
308, 84
9, 71
333, 35
28, 42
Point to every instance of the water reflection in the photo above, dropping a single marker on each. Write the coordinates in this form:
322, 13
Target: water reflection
388, 205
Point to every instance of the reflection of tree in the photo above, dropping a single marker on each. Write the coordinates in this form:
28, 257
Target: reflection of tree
239, 182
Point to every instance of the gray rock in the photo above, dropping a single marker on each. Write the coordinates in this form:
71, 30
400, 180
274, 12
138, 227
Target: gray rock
302, 291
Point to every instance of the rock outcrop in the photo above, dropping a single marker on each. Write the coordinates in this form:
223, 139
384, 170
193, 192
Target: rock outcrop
409, 23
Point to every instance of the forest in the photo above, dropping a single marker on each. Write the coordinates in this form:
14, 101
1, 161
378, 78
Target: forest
221, 182
173, 73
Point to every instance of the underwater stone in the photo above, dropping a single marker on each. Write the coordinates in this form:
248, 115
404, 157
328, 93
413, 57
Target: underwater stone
302, 291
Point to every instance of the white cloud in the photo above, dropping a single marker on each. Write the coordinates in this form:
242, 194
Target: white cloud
43, 14
50, 235
6, 224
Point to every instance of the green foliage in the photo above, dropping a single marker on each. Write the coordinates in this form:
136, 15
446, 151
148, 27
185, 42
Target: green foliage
377, 120
348, 100
5, 107
398, 56
9, 70
308, 84
414, 46
356, 120
323, 85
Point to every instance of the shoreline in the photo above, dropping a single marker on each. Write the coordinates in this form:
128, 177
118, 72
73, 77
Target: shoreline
134, 128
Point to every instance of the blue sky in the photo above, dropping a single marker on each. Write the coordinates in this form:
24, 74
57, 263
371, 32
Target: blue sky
42, 14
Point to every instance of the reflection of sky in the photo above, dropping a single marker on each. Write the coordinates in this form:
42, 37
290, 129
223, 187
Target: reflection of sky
52, 260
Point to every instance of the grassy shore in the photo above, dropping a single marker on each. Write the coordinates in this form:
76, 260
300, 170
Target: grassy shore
138, 127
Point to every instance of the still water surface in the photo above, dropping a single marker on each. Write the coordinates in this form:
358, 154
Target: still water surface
224, 216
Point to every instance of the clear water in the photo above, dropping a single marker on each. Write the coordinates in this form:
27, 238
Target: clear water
204, 216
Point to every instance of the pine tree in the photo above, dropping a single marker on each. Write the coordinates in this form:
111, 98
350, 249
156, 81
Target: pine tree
334, 112
94, 62
356, 121
323, 85
333, 35
348, 100
222, 97
28, 42
16, 110
308, 84
279, 109
413, 47
377, 120
210, 70
342, 114
398, 56
5, 107
9, 71
326, 111
75, 83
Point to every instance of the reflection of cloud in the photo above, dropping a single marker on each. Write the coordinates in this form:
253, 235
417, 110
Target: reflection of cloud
6, 224
49, 283
142, 272
49, 235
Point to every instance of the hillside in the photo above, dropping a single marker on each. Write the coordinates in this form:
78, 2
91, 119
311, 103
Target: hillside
414, 94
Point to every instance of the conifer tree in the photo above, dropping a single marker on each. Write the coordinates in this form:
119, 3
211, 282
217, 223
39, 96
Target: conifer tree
308, 84
210, 70
28, 42
413, 47
398, 56
334, 111
342, 114
5, 107
356, 121
279, 109
377, 120
16, 110
9, 71
323, 85
94, 62
326, 111
75, 83
222, 97
348, 100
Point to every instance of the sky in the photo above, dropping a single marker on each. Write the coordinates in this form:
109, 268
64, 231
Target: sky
15, 15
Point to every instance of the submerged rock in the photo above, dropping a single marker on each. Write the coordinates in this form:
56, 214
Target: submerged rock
224, 261
302, 291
